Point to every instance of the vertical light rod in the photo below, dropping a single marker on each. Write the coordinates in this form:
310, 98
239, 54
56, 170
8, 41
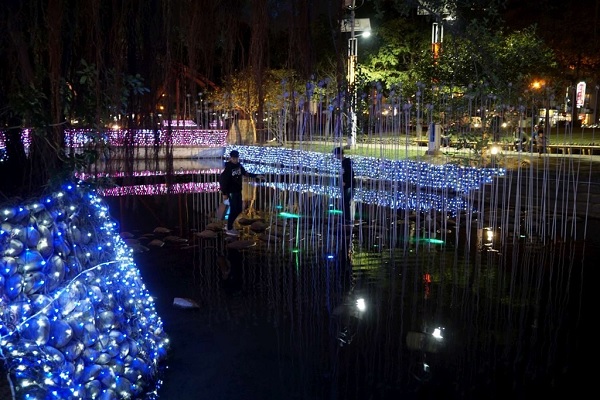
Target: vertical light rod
437, 37
352, 60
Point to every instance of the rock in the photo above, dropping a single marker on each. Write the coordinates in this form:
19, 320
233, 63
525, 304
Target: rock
207, 234
156, 243
174, 239
241, 244
138, 248
215, 226
265, 237
180, 302
258, 226
245, 221
131, 242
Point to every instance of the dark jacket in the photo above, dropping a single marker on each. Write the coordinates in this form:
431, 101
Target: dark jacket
231, 178
348, 173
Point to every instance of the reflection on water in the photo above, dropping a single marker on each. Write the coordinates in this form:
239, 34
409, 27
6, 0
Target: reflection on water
406, 304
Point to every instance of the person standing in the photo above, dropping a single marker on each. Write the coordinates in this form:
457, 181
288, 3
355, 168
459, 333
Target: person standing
230, 182
541, 142
347, 175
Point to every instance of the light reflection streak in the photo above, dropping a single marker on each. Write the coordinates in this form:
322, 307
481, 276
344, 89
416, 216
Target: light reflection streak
413, 200
147, 173
417, 201
160, 189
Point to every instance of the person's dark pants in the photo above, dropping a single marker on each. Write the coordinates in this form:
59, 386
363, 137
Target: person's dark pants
347, 198
235, 208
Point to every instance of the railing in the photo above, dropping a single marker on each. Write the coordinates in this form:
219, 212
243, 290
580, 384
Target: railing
574, 149
566, 149
146, 137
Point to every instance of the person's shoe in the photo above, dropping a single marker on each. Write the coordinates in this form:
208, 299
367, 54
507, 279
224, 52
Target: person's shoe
232, 232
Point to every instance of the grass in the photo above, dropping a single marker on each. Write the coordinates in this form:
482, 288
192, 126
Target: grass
580, 136
397, 148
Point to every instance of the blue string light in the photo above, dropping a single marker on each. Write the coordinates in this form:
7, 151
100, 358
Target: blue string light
76, 320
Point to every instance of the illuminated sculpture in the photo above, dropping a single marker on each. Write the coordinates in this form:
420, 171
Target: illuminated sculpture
76, 320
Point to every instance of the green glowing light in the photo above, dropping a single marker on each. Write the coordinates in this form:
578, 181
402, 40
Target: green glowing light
428, 240
334, 211
433, 241
288, 215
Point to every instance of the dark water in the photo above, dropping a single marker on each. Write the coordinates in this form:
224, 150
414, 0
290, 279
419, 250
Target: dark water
284, 319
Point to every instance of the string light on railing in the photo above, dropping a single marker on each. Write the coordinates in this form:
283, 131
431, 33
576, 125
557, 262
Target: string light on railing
161, 189
77, 138
418, 174
85, 176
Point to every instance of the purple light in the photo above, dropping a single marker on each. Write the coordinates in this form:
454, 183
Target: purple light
121, 174
151, 190
146, 137
176, 123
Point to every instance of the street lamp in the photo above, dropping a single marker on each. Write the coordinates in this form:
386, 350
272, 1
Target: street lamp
353, 25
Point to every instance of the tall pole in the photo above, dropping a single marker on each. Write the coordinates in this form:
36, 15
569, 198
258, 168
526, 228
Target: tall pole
352, 62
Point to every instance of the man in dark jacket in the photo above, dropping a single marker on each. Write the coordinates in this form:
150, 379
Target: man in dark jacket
347, 184
231, 188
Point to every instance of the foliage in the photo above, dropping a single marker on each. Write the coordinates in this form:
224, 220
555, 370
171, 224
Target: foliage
402, 42
477, 55
282, 90
88, 102
98, 98
491, 57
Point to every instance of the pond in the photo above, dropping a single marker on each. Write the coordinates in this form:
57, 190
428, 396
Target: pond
405, 304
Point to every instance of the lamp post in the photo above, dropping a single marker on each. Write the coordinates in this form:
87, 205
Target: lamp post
353, 25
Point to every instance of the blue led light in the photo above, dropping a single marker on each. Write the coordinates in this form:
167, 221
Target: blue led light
51, 328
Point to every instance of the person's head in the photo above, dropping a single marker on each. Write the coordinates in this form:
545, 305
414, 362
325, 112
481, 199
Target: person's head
234, 156
338, 152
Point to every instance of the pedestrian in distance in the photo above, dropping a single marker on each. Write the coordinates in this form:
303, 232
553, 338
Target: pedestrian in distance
541, 142
230, 182
347, 184
519, 139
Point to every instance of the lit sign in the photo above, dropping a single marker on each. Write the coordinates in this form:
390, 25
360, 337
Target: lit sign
580, 94
360, 24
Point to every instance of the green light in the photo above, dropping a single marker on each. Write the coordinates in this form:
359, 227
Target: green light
288, 215
427, 240
434, 241
334, 211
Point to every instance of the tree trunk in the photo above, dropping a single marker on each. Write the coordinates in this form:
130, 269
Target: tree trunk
259, 61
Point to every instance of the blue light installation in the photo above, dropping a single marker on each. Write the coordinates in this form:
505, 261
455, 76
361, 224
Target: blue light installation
76, 320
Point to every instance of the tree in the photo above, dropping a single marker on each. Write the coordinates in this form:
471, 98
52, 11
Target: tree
242, 98
401, 43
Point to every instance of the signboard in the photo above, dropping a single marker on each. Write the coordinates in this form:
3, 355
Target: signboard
435, 136
360, 24
580, 96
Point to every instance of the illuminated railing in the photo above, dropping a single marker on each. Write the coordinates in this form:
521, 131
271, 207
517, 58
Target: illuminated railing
77, 138
146, 137
25, 137
448, 177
